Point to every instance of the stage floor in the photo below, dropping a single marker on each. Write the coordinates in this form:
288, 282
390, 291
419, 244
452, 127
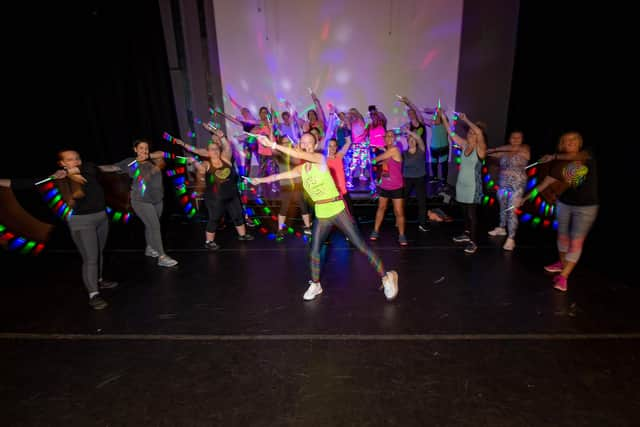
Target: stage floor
226, 339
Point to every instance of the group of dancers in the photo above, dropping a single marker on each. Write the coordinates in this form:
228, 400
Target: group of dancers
307, 159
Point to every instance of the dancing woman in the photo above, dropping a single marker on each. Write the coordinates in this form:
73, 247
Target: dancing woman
290, 191
335, 161
577, 206
360, 151
469, 183
414, 172
391, 187
217, 180
330, 211
147, 194
89, 225
317, 118
512, 180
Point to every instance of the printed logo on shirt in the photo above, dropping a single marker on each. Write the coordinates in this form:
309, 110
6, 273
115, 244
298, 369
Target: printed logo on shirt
575, 173
223, 174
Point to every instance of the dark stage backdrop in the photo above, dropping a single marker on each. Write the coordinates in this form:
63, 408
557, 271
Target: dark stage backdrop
566, 78
90, 75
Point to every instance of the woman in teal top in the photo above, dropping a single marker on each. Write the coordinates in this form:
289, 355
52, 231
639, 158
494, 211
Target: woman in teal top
329, 208
469, 182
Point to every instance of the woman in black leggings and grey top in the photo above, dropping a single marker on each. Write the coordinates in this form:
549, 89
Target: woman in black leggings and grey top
89, 226
414, 172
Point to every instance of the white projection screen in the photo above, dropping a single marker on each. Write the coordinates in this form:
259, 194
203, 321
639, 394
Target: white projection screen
352, 53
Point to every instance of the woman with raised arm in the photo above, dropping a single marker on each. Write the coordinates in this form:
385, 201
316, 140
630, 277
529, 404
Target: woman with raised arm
414, 172
469, 183
577, 206
217, 180
416, 120
360, 158
147, 194
376, 131
512, 180
335, 161
330, 211
317, 118
439, 148
342, 131
290, 191
267, 164
247, 121
288, 127
202, 152
89, 225
391, 187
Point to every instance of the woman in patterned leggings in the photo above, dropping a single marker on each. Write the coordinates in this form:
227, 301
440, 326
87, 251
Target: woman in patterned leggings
512, 180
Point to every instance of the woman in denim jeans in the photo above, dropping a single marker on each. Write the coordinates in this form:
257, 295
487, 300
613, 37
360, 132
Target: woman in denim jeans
577, 206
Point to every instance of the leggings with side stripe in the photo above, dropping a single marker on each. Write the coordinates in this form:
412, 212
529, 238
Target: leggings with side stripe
344, 222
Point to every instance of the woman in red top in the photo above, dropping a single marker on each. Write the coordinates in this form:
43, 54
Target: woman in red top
268, 165
335, 161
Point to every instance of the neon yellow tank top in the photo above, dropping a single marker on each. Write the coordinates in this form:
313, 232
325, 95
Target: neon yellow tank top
318, 183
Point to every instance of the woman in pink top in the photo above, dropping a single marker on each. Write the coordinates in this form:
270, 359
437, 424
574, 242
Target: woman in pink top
376, 131
359, 162
391, 187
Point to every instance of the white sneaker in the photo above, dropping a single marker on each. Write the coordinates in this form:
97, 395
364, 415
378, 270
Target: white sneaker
498, 231
390, 285
167, 261
509, 245
314, 290
149, 251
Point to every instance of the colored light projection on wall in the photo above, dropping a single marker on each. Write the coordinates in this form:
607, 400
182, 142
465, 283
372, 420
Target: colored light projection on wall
351, 53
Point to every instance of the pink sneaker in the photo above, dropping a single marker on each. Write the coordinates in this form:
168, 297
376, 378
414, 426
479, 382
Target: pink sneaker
556, 267
560, 283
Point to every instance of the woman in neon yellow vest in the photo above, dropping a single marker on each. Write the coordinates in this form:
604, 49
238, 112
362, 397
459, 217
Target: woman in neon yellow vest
330, 210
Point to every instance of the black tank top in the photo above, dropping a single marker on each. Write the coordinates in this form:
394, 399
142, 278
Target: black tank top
420, 130
246, 126
221, 182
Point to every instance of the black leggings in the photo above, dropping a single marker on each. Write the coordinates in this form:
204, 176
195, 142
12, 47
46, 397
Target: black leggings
217, 207
289, 194
418, 183
439, 156
250, 150
470, 211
